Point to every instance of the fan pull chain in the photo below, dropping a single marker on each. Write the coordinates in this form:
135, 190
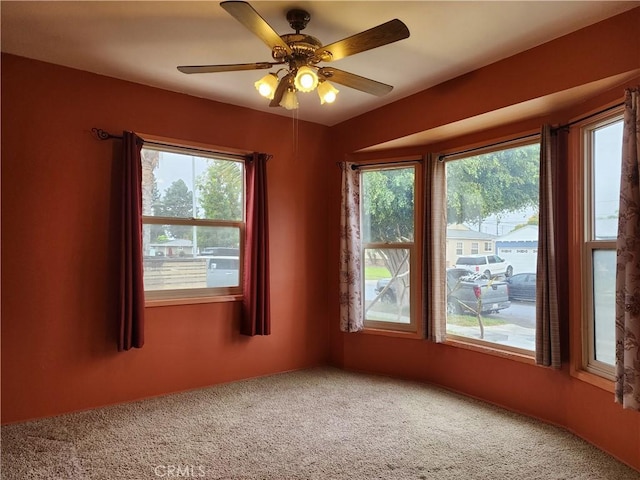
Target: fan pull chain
295, 131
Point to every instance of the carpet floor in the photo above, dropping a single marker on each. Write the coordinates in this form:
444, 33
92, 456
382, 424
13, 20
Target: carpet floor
314, 424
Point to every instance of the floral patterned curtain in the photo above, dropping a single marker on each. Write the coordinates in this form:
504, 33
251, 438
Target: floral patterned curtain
351, 313
627, 391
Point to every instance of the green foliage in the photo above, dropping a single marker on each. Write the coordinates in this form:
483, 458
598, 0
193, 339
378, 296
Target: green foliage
388, 205
492, 183
532, 220
220, 194
178, 203
220, 190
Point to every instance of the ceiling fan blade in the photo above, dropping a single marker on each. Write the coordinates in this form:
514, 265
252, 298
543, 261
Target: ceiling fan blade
226, 68
280, 89
357, 82
246, 15
388, 32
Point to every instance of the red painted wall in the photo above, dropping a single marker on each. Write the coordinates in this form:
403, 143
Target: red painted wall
600, 51
58, 282
59, 285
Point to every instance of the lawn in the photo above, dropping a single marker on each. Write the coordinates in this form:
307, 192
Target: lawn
472, 321
376, 273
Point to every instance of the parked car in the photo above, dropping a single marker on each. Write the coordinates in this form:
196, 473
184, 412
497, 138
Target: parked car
390, 294
467, 291
490, 265
223, 271
522, 287
219, 251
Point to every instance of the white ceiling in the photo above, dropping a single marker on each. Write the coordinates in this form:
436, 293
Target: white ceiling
144, 41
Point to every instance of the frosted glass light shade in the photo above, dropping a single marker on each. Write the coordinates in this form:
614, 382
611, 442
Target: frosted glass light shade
306, 79
266, 86
327, 92
289, 100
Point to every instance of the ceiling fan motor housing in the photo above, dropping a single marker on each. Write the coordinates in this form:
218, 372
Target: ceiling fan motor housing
303, 47
298, 19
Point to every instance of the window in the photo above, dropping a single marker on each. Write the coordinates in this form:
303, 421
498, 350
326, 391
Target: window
484, 191
603, 151
193, 222
459, 250
388, 249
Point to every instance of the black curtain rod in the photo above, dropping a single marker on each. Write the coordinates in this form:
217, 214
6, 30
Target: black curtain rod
591, 115
400, 162
101, 134
484, 147
104, 135
532, 135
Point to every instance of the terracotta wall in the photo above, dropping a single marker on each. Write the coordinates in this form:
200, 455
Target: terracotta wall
59, 284
58, 279
601, 51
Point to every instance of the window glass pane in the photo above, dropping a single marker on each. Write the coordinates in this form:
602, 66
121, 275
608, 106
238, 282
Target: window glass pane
189, 186
173, 261
387, 296
388, 205
492, 199
607, 154
604, 305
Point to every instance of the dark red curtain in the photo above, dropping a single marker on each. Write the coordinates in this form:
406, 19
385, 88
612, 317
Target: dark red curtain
131, 334
256, 319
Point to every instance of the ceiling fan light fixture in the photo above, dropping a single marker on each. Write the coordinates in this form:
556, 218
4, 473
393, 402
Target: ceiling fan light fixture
327, 92
267, 85
306, 79
289, 100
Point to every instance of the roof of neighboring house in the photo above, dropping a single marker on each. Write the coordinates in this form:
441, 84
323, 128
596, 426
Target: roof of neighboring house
461, 232
528, 233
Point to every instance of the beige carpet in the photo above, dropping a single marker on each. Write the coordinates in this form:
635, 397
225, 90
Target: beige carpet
314, 424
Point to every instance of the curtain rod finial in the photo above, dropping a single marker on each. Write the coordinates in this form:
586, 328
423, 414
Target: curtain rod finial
101, 134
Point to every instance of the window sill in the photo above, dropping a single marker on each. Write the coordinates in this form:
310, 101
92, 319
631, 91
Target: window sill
504, 352
391, 333
191, 300
593, 379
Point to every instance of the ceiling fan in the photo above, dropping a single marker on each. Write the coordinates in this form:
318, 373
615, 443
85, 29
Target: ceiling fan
300, 54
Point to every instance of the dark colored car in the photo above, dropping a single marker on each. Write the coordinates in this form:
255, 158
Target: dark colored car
522, 287
466, 290
389, 295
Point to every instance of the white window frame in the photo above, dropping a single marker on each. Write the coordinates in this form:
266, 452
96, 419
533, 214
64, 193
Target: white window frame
591, 245
412, 326
160, 297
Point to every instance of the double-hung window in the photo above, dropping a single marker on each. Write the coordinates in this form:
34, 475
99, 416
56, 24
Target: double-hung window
388, 217
602, 147
193, 222
494, 194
